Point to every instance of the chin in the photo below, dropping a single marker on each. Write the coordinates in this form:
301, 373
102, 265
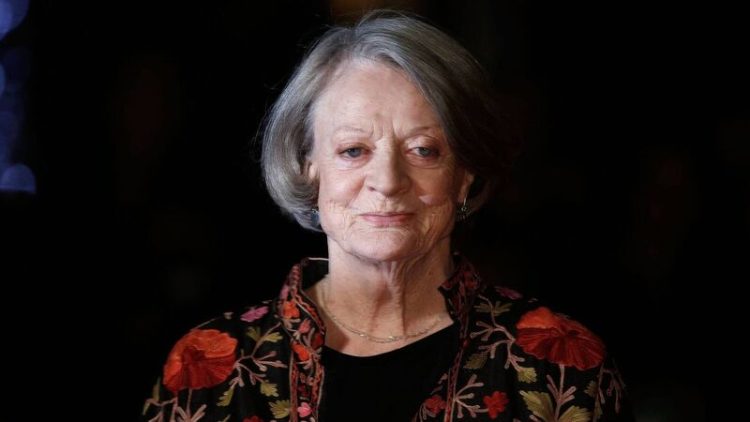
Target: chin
385, 247
383, 256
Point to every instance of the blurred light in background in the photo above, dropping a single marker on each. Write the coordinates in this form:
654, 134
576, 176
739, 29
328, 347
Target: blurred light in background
18, 178
5, 17
12, 13
14, 72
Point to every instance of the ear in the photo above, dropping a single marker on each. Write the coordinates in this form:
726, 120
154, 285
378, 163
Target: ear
311, 169
466, 180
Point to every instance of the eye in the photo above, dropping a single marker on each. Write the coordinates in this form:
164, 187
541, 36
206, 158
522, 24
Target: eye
355, 152
425, 152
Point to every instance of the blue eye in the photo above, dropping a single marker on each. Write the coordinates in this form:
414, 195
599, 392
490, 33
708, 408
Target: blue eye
352, 152
424, 151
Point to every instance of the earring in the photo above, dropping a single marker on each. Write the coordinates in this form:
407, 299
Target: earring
315, 217
462, 212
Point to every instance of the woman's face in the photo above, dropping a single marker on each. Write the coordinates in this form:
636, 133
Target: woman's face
388, 182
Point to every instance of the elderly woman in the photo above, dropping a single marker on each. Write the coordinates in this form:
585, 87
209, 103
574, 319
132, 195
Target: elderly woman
383, 139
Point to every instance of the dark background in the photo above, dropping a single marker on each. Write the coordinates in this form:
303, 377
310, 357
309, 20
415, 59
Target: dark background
628, 208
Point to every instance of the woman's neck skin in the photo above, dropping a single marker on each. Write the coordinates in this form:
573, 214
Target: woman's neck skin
382, 299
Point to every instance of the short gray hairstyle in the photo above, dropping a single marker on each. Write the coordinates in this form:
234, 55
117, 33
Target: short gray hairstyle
450, 79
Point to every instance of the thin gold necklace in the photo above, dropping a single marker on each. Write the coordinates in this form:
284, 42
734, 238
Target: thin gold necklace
370, 337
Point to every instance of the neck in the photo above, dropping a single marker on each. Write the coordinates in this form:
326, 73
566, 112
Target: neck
383, 299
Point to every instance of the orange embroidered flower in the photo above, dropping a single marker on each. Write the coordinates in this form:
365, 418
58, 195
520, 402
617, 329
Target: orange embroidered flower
302, 353
495, 403
317, 341
547, 335
434, 404
289, 310
200, 359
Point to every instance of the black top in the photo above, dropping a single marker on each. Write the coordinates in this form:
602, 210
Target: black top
386, 387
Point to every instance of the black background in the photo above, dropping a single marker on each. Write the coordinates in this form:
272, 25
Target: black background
628, 207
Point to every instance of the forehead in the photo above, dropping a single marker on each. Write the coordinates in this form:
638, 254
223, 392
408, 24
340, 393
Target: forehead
366, 93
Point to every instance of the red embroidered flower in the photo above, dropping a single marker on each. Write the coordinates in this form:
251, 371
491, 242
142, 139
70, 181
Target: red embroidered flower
302, 353
470, 281
551, 336
495, 403
434, 404
253, 419
200, 359
317, 341
289, 310
305, 326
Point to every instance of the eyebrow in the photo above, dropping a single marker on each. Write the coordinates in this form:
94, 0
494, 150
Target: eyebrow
350, 129
426, 128
411, 133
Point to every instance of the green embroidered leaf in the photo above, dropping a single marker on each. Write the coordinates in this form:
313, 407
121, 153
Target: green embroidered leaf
253, 333
280, 408
154, 395
591, 389
540, 404
575, 414
476, 361
155, 391
268, 389
597, 410
526, 374
273, 337
226, 397
496, 309
226, 419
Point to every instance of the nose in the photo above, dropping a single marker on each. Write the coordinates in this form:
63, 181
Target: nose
387, 173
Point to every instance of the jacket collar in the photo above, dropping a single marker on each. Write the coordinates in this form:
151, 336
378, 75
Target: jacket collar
299, 313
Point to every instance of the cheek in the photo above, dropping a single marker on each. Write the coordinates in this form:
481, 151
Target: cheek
337, 191
434, 199
437, 194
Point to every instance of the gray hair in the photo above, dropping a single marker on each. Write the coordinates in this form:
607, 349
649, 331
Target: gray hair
450, 79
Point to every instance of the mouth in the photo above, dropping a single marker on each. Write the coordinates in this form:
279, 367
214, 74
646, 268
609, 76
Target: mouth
387, 218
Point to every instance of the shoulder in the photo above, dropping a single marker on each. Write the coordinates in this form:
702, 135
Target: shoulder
539, 333
238, 354
554, 361
205, 356
236, 322
536, 327
504, 307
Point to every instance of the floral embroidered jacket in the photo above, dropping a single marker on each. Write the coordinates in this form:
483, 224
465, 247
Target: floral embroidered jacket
517, 361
